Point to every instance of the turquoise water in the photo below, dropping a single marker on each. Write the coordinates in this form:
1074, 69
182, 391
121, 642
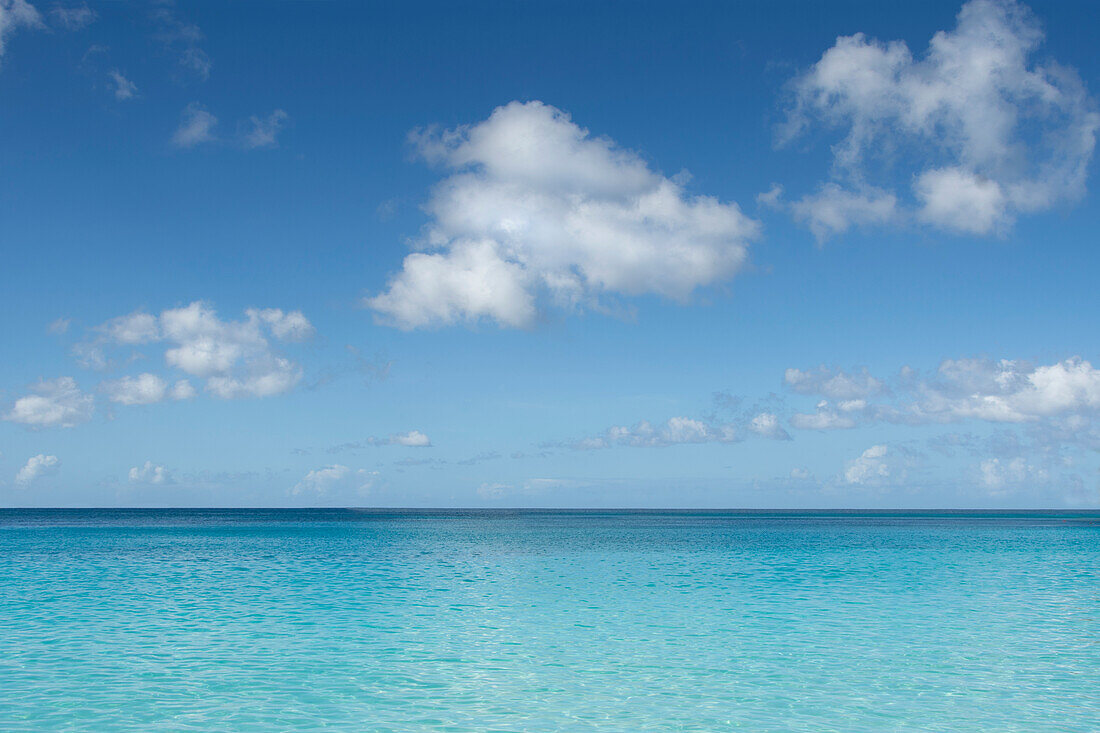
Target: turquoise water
342, 620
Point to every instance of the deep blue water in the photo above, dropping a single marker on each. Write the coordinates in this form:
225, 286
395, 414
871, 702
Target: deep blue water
390, 620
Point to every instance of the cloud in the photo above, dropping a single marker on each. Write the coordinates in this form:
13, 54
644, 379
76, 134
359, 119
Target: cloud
834, 210
412, 439
833, 383
767, 425
961, 389
16, 14
870, 468
263, 133
980, 130
72, 18
183, 38
53, 403
675, 431
59, 326
801, 474
124, 88
144, 389
826, 417
493, 490
150, 474
197, 126
236, 358
36, 467
322, 481
1004, 477
538, 212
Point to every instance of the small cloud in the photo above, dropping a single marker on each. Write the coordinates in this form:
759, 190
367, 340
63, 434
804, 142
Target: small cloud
124, 88
412, 439
37, 467
52, 403
197, 126
493, 491
60, 326
150, 474
800, 474
263, 133
144, 389
72, 18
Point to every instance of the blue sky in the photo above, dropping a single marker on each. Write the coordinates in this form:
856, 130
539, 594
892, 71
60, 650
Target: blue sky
562, 254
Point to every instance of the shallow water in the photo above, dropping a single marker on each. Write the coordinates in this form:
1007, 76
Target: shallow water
382, 620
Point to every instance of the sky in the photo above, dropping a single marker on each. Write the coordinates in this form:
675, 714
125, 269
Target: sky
498, 254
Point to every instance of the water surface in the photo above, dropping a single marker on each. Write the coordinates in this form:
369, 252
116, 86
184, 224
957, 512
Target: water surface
470, 621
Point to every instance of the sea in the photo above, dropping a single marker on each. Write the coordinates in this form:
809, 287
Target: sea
391, 620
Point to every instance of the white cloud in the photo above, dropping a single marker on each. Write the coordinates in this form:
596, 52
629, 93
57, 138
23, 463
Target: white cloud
322, 481
150, 473
826, 417
73, 18
197, 126
989, 133
767, 425
833, 383
834, 210
36, 467
236, 358
16, 14
1007, 391
263, 133
124, 88
53, 403
181, 390
59, 326
871, 467
412, 439
801, 474
184, 38
493, 490
675, 431
144, 389
1003, 477
961, 389
538, 210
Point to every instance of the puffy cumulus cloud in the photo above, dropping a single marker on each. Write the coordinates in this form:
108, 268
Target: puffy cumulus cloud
146, 389
826, 417
961, 389
870, 468
53, 403
674, 431
833, 383
537, 211
322, 481
196, 126
236, 358
264, 132
124, 88
1000, 477
1006, 391
990, 132
36, 467
834, 209
150, 473
412, 439
767, 425
16, 14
